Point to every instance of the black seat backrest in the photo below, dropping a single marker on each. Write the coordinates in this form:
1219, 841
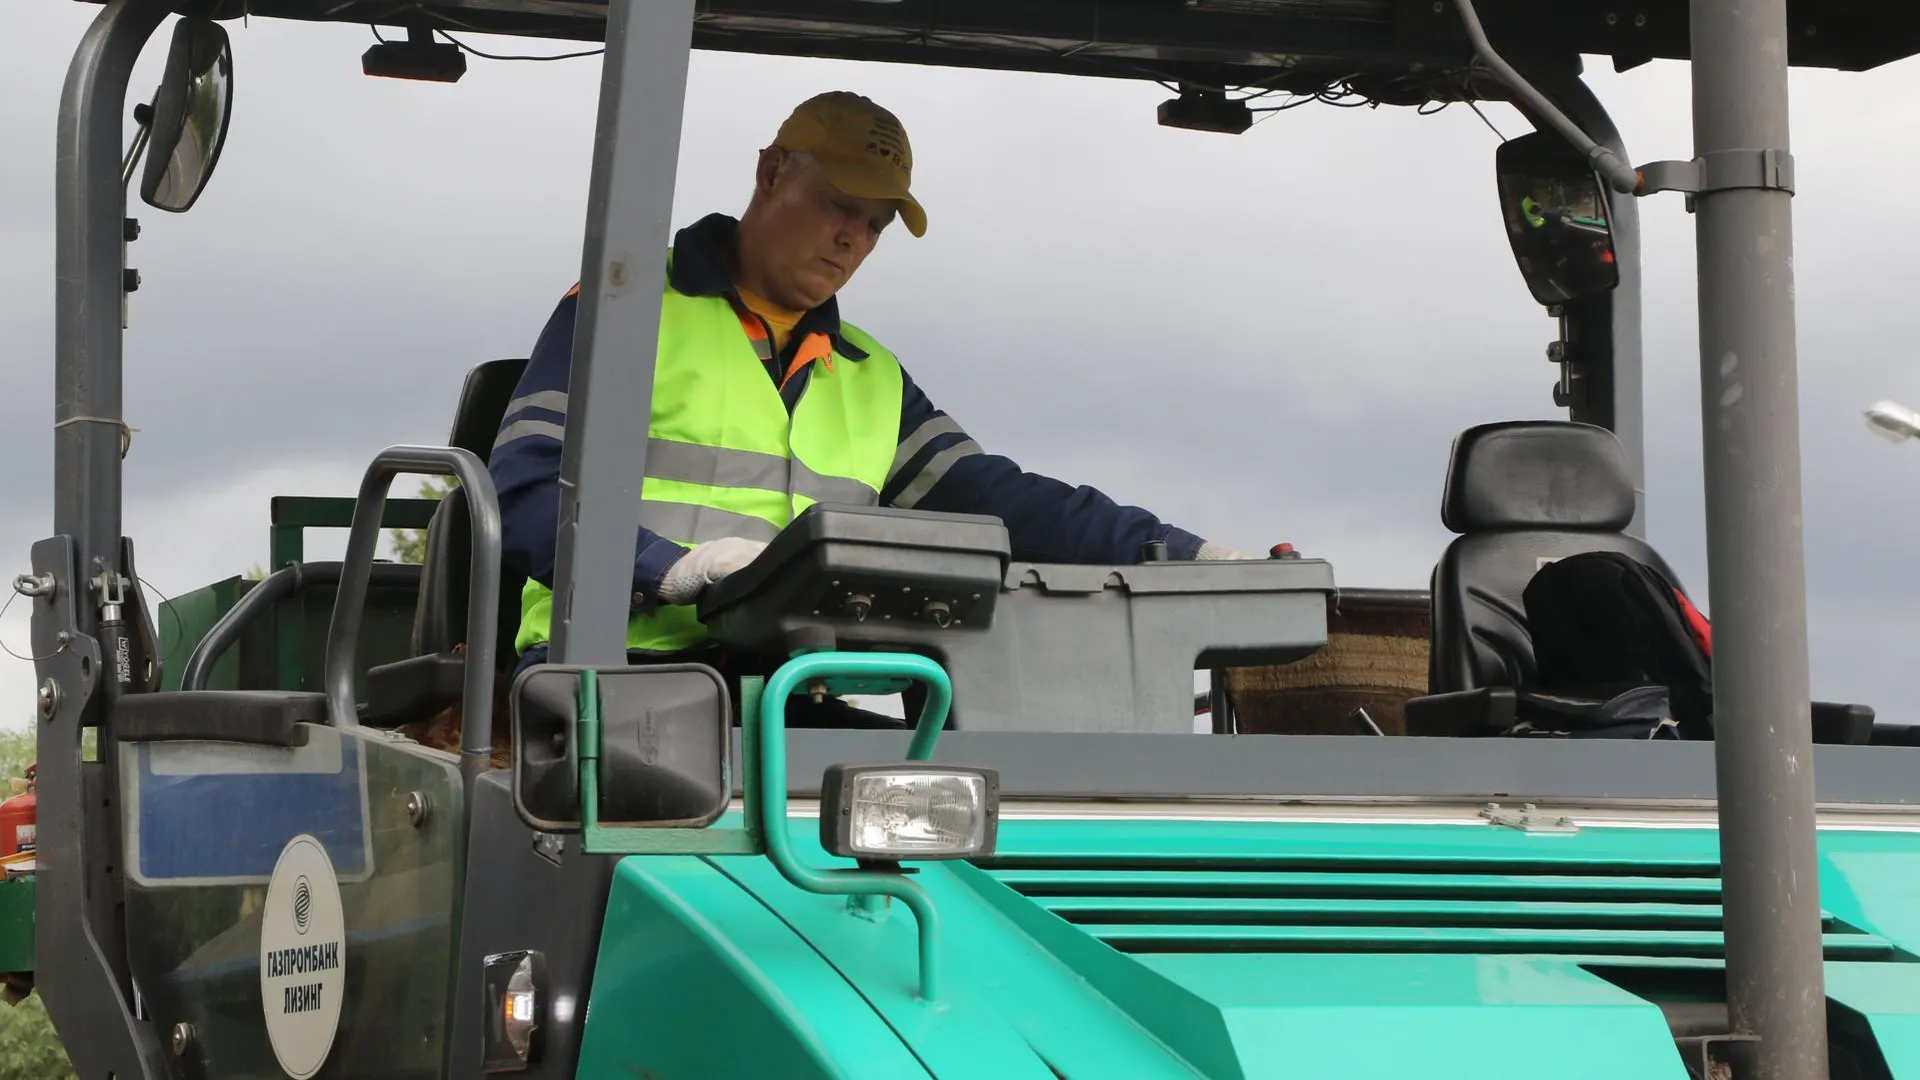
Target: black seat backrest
440, 619
1520, 494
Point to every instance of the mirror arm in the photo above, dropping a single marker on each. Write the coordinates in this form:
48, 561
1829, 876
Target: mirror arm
1620, 175
1723, 170
143, 116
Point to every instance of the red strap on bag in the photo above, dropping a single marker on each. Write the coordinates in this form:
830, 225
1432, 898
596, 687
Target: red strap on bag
1696, 622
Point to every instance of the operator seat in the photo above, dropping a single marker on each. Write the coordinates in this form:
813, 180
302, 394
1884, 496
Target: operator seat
1520, 494
430, 680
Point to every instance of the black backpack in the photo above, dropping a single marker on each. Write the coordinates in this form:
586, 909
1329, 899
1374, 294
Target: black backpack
1605, 628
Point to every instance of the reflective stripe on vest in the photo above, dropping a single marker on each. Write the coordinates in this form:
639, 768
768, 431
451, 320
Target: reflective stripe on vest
725, 459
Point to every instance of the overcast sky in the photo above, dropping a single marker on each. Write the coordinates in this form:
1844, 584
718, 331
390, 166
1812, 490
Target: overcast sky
1263, 338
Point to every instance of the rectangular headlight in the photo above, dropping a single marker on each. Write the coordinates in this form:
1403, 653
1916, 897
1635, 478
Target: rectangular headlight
909, 810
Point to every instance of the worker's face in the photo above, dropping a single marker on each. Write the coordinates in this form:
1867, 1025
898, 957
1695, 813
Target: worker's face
812, 236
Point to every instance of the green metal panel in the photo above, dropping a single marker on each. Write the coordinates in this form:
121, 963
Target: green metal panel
179, 624
1334, 885
301, 622
1434, 1017
1368, 911
1872, 880
1887, 996
1008, 1009
1468, 888
1253, 949
289, 516
386, 629
695, 978
16, 924
1240, 950
1450, 939
1021, 982
1332, 847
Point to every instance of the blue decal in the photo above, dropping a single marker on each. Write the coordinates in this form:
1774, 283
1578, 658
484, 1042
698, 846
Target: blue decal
224, 816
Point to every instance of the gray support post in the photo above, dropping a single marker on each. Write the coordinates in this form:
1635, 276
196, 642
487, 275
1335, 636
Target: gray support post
81, 961
636, 151
89, 289
1623, 408
1751, 432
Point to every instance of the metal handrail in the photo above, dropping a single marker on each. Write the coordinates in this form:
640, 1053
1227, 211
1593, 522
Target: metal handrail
483, 589
277, 586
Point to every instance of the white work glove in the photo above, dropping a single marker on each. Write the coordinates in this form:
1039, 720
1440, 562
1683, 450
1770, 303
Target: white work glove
705, 564
1212, 552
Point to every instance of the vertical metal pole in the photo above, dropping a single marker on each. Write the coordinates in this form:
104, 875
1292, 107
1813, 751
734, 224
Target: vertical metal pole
1751, 432
80, 952
89, 252
636, 151
1619, 398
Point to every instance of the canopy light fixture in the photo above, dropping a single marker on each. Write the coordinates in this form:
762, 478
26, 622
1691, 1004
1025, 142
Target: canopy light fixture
419, 58
1199, 109
1893, 422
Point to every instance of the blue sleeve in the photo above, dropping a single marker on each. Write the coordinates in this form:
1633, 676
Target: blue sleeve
525, 465
938, 467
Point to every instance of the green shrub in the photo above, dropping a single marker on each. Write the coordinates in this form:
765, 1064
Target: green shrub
29, 1050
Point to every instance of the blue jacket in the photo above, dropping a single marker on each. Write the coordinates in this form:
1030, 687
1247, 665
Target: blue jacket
943, 470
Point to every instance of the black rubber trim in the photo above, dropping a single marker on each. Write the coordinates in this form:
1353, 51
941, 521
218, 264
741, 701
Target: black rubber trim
257, 717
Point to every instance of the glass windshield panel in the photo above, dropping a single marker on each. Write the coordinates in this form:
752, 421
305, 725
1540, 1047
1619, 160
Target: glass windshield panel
205, 825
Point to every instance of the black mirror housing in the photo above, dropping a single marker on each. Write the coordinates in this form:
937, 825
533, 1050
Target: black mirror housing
191, 111
1556, 212
665, 738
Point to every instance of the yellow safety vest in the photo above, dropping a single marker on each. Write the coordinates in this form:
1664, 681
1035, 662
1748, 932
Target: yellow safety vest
725, 459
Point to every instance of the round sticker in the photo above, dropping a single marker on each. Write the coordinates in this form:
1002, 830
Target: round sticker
303, 957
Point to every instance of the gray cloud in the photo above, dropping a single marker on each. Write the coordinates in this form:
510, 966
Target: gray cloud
1271, 337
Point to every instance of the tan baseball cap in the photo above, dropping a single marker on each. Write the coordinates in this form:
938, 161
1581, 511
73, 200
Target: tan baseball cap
860, 146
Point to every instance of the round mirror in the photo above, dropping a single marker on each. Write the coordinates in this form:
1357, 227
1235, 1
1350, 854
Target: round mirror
191, 108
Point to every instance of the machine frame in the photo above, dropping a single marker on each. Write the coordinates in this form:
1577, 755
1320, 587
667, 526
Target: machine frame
89, 616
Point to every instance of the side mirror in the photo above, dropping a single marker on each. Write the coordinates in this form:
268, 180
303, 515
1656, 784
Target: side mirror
191, 108
1556, 213
663, 736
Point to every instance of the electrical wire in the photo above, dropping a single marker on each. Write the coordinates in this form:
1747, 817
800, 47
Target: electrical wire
57, 650
179, 627
491, 56
464, 47
1338, 92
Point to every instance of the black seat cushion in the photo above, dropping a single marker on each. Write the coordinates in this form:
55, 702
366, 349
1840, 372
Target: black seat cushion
440, 619
1480, 633
483, 404
1520, 494
1537, 474
430, 680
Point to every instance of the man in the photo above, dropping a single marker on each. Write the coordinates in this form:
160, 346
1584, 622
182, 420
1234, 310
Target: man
755, 369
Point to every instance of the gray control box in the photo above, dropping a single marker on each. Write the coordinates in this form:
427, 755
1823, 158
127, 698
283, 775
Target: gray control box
1028, 646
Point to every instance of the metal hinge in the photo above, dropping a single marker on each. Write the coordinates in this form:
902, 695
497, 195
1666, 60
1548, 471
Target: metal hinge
1528, 819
